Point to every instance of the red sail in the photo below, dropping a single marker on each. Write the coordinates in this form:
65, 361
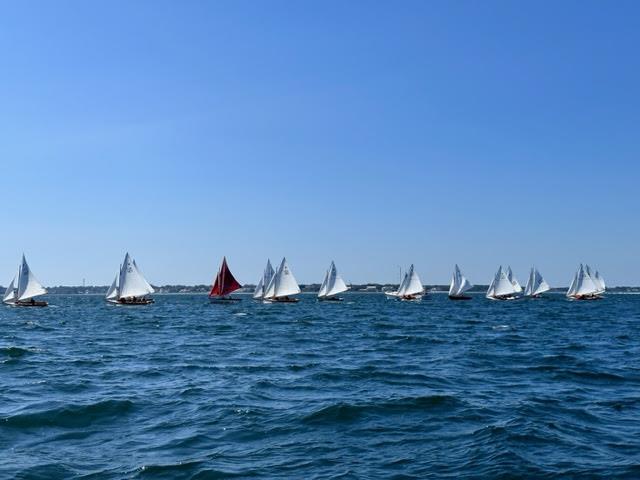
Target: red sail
225, 283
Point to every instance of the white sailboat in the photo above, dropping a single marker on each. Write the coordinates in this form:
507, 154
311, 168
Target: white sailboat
24, 288
282, 285
502, 288
411, 288
459, 285
266, 277
514, 281
583, 286
129, 287
332, 285
536, 285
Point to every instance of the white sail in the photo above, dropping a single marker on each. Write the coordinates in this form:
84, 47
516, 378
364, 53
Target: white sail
517, 288
112, 293
585, 284
267, 275
323, 288
412, 285
10, 293
536, 284
132, 282
335, 284
501, 286
283, 283
459, 283
28, 284
600, 282
574, 283
259, 291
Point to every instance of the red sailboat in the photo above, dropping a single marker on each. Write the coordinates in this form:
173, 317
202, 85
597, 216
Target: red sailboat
224, 285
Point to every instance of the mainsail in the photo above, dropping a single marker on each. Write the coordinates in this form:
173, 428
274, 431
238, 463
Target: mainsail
600, 282
514, 281
268, 273
225, 283
535, 284
501, 286
411, 285
28, 284
332, 284
459, 283
131, 282
283, 283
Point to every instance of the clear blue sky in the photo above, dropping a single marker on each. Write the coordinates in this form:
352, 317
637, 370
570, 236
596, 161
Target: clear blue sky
376, 134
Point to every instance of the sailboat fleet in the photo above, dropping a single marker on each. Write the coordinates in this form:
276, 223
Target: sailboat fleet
130, 287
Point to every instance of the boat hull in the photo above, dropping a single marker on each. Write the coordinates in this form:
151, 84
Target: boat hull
330, 299
130, 302
281, 300
224, 300
34, 303
586, 297
459, 297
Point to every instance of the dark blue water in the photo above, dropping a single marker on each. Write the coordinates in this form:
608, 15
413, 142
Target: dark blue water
370, 388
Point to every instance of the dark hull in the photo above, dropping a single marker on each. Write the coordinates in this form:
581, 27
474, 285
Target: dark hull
37, 303
451, 297
283, 300
331, 299
142, 301
224, 300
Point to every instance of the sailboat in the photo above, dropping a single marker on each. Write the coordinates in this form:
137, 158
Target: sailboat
514, 281
282, 285
584, 286
129, 287
224, 285
501, 287
258, 293
411, 287
536, 285
332, 285
459, 285
24, 288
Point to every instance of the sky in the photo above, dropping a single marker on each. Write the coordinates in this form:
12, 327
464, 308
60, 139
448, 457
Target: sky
375, 134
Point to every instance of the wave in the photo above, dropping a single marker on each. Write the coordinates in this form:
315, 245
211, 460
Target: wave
70, 416
345, 412
14, 352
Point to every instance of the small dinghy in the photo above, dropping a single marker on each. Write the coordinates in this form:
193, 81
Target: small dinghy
129, 287
503, 288
224, 285
585, 285
282, 286
332, 285
24, 288
536, 284
459, 285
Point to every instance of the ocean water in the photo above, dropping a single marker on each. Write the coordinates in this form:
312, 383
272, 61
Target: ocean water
368, 388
